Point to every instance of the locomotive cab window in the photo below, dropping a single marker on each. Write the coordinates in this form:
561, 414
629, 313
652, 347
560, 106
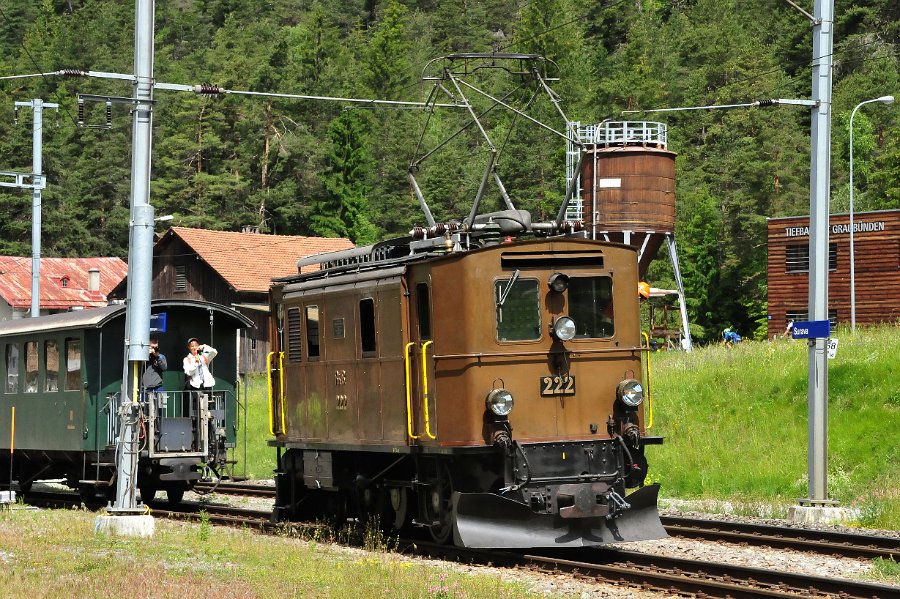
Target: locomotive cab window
518, 309
423, 309
367, 327
73, 364
51, 364
312, 332
591, 307
12, 368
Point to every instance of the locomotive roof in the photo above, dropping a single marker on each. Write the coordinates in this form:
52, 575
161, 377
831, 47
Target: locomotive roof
384, 257
98, 317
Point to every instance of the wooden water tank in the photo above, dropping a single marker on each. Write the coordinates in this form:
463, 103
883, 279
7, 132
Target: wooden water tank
628, 185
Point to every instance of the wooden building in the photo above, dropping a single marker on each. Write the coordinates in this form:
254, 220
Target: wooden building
876, 241
234, 269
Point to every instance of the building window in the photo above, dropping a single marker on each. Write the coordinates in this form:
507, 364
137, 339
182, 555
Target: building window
73, 364
12, 368
31, 367
180, 278
294, 335
801, 315
64, 281
51, 361
312, 332
796, 258
367, 326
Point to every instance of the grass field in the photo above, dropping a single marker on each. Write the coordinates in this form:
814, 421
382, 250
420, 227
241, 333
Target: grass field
56, 554
735, 423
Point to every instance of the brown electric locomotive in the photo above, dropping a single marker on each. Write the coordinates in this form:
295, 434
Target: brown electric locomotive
486, 387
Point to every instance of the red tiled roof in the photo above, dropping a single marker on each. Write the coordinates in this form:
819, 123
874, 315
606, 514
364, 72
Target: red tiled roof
249, 261
15, 281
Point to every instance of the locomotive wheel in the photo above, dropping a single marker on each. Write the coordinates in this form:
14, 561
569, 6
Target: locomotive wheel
438, 506
398, 499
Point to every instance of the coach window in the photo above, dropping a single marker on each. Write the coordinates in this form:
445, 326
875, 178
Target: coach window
591, 307
423, 309
518, 309
367, 327
73, 364
312, 332
12, 368
294, 336
51, 365
31, 367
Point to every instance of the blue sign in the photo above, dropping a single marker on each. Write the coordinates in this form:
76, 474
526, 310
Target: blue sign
158, 323
812, 329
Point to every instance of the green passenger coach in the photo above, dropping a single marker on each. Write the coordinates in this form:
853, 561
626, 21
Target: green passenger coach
62, 381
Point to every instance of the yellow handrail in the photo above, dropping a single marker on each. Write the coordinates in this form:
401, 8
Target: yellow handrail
269, 390
647, 384
409, 423
425, 387
281, 390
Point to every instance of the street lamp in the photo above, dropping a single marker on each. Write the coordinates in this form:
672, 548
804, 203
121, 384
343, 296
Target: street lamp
883, 100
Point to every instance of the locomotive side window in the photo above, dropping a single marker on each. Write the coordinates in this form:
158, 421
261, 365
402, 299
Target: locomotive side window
31, 367
312, 332
367, 326
12, 368
294, 335
423, 308
591, 307
51, 362
518, 309
73, 364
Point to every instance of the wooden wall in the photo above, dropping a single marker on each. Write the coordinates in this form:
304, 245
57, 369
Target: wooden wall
876, 243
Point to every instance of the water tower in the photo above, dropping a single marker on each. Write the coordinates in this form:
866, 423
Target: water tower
626, 192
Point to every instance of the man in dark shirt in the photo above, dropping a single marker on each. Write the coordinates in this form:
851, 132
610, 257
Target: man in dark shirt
152, 380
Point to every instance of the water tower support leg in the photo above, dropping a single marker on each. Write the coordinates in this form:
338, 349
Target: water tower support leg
673, 254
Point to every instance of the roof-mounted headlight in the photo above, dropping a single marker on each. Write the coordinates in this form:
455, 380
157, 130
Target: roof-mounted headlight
558, 282
500, 402
630, 392
563, 328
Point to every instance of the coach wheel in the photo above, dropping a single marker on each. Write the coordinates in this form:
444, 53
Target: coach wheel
438, 506
175, 495
148, 492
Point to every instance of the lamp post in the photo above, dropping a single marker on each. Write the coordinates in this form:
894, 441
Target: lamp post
883, 100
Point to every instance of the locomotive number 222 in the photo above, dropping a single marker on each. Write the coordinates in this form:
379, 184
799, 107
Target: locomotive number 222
557, 385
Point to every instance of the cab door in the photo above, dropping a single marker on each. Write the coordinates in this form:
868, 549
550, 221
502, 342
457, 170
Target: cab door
420, 388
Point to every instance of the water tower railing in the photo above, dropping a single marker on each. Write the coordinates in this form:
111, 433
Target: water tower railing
625, 133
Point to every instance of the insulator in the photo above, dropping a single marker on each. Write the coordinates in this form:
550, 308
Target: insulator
16, 116
80, 113
109, 114
417, 233
768, 102
438, 229
72, 73
208, 89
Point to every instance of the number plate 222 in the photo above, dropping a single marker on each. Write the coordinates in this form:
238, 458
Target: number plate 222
557, 385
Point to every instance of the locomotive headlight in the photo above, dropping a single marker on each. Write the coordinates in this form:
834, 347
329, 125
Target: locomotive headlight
630, 392
564, 328
500, 402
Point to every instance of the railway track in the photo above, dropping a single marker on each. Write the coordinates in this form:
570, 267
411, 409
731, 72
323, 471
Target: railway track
823, 542
236, 488
611, 566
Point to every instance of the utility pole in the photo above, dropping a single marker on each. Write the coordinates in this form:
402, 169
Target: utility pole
125, 516
820, 181
37, 184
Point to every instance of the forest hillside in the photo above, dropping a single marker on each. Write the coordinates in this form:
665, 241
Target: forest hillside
330, 168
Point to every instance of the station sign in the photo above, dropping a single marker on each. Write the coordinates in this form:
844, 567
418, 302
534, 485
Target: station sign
158, 323
811, 329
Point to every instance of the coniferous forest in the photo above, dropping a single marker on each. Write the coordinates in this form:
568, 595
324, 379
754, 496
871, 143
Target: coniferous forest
309, 167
